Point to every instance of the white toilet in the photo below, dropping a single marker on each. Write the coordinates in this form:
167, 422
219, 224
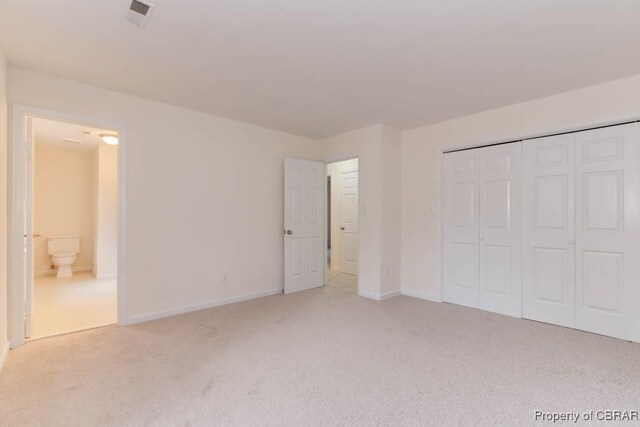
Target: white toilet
64, 252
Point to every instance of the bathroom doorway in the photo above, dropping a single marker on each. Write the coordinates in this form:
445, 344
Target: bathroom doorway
342, 225
70, 227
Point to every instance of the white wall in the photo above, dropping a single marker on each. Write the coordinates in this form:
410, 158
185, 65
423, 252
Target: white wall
335, 170
391, 237
105, 254
204, 196
377, 176
611, 101
63, 202
4, 343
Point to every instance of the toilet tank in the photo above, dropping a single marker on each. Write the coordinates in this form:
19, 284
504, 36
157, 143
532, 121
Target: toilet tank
66, 244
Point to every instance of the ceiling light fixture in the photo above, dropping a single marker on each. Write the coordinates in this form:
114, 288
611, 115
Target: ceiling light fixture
109, 138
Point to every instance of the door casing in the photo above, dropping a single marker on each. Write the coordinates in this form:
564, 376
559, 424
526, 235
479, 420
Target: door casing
17, 282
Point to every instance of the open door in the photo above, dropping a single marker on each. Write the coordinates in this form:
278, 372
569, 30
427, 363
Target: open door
304, 241
349, 225
28, 227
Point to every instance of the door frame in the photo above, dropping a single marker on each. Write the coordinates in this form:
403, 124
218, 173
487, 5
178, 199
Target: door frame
16, 276
443, 148
326, 213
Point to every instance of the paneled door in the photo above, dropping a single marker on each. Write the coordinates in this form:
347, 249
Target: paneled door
608, 231
349, 224
304, 240
460, 245
500, 232
548, 293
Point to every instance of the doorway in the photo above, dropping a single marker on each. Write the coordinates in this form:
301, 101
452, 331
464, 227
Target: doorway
66, 235
321, 236
74, 234
343, 224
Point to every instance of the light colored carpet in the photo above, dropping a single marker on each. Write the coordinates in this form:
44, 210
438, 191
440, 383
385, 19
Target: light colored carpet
75, 303
320, 357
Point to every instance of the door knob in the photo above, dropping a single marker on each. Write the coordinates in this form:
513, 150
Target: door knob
481, 237
289, 232
36, 235
571, 242
342, 228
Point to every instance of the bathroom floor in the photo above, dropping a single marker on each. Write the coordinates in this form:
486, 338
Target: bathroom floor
72, 304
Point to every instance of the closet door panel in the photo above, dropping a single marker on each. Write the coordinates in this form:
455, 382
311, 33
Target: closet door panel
500, 229
548, 230
608, 231
460, 251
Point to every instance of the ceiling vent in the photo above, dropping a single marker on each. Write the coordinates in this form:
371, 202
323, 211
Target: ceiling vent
139, 12
71, 141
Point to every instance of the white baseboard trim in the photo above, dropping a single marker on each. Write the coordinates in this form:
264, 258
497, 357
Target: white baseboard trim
196, 307
4, 353
390, 294
421, 295
48, 271
370, 295
379, 297
106, 276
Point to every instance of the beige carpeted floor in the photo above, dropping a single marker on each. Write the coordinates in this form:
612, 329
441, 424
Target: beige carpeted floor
67, 304
320, 357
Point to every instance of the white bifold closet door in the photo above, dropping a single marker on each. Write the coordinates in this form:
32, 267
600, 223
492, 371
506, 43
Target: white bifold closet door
482, 228
582, 230
460, 249
548, 293
608, 231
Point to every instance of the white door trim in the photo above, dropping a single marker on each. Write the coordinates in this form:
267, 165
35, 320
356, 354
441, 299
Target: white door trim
16, 283
444, 148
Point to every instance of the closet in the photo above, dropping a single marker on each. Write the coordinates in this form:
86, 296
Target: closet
548, 229
582, 230
482, 228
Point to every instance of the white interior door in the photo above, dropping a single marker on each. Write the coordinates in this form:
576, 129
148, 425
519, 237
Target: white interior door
304, 239
28, 227
460, 243
608, 231
349, 222
549, 230
500, 229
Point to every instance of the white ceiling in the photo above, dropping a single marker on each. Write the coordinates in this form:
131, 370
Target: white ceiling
321, 67
51, 133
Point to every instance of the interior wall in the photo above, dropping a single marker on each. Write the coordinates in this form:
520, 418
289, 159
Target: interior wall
391, 183
105, 254
204, 195
335, 170
611, 101
4, 343
369, 145
63, 203
365, 145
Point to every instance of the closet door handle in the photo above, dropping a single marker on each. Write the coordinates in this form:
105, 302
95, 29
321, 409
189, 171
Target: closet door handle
481, 237
571, 242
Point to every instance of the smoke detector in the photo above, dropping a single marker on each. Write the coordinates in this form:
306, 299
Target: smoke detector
139, 12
